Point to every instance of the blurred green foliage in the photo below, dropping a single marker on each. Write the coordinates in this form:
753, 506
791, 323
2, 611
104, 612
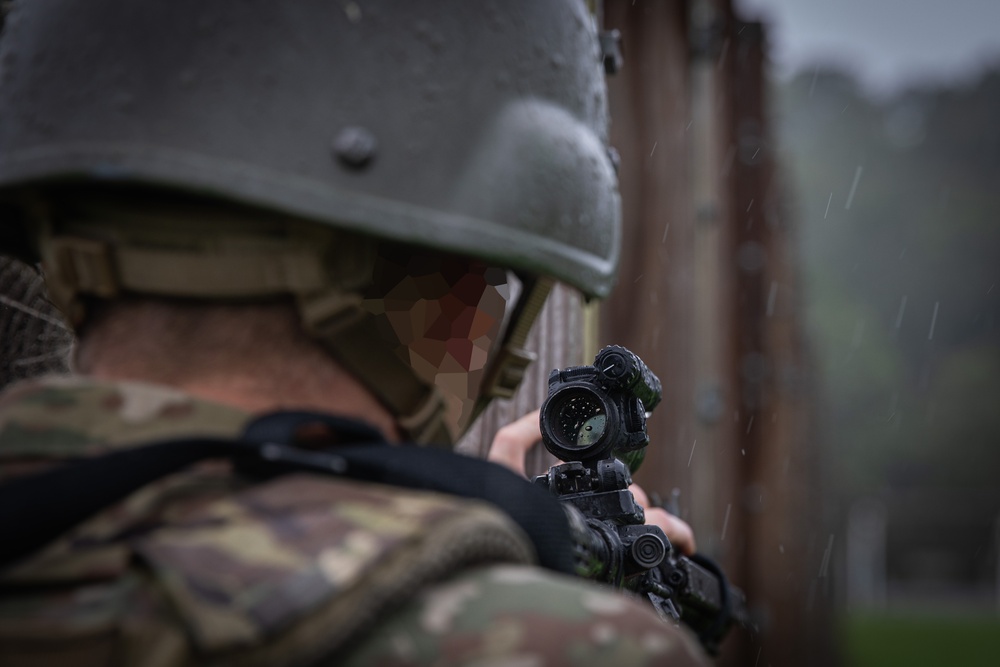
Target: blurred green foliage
898, 202
919, 641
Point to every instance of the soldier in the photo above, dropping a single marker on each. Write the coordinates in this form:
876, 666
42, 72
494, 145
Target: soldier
288, 228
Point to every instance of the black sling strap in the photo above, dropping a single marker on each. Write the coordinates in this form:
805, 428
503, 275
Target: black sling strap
36, 509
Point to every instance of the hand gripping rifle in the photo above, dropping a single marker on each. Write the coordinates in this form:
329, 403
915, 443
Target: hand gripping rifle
594, 419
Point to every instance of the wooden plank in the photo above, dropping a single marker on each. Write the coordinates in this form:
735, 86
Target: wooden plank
650, 310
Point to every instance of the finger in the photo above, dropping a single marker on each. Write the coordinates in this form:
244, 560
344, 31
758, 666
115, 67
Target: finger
677, 531
639, 494
513, 442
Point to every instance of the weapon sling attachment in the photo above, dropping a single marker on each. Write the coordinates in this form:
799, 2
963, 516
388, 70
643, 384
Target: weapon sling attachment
37, 509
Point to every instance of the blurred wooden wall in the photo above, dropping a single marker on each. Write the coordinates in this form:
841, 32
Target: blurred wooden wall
707, 295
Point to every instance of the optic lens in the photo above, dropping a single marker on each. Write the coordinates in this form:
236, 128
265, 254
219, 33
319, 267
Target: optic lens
582, 421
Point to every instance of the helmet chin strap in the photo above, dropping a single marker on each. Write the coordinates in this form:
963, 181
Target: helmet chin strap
327, 290
349, 333
331, 316
338, 321
511, 359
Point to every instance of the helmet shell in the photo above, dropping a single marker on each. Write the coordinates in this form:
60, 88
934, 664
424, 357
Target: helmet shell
476, 128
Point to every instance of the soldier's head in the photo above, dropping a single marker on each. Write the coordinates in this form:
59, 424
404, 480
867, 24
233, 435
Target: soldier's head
411, 176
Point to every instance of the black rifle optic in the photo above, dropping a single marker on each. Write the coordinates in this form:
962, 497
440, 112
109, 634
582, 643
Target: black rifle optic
594, 419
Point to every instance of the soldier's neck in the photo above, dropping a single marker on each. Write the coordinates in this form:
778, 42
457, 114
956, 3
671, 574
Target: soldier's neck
251, 357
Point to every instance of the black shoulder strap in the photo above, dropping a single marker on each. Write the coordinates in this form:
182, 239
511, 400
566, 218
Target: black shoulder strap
36, 509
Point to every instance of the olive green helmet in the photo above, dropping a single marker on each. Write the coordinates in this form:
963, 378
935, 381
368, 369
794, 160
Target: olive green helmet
475, 128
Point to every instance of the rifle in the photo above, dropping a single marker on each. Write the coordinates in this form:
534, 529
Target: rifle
594, 419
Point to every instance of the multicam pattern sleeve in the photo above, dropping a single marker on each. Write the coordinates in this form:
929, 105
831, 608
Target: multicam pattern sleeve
205, 567
523, 617
64, 417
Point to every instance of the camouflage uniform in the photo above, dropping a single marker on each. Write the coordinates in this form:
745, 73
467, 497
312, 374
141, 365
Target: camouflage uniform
306, 140
204, 567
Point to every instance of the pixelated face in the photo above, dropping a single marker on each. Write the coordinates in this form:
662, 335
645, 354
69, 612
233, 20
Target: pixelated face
443, 315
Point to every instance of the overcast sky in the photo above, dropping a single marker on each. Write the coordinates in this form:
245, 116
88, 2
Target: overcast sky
887, 43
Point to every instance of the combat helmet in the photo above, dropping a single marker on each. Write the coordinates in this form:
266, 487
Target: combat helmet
474, 129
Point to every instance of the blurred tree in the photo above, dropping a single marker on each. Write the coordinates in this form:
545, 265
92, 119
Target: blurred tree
902, 254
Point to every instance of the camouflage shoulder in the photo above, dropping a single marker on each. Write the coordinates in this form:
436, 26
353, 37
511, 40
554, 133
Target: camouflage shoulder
519, 615
274, 574
66, 416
